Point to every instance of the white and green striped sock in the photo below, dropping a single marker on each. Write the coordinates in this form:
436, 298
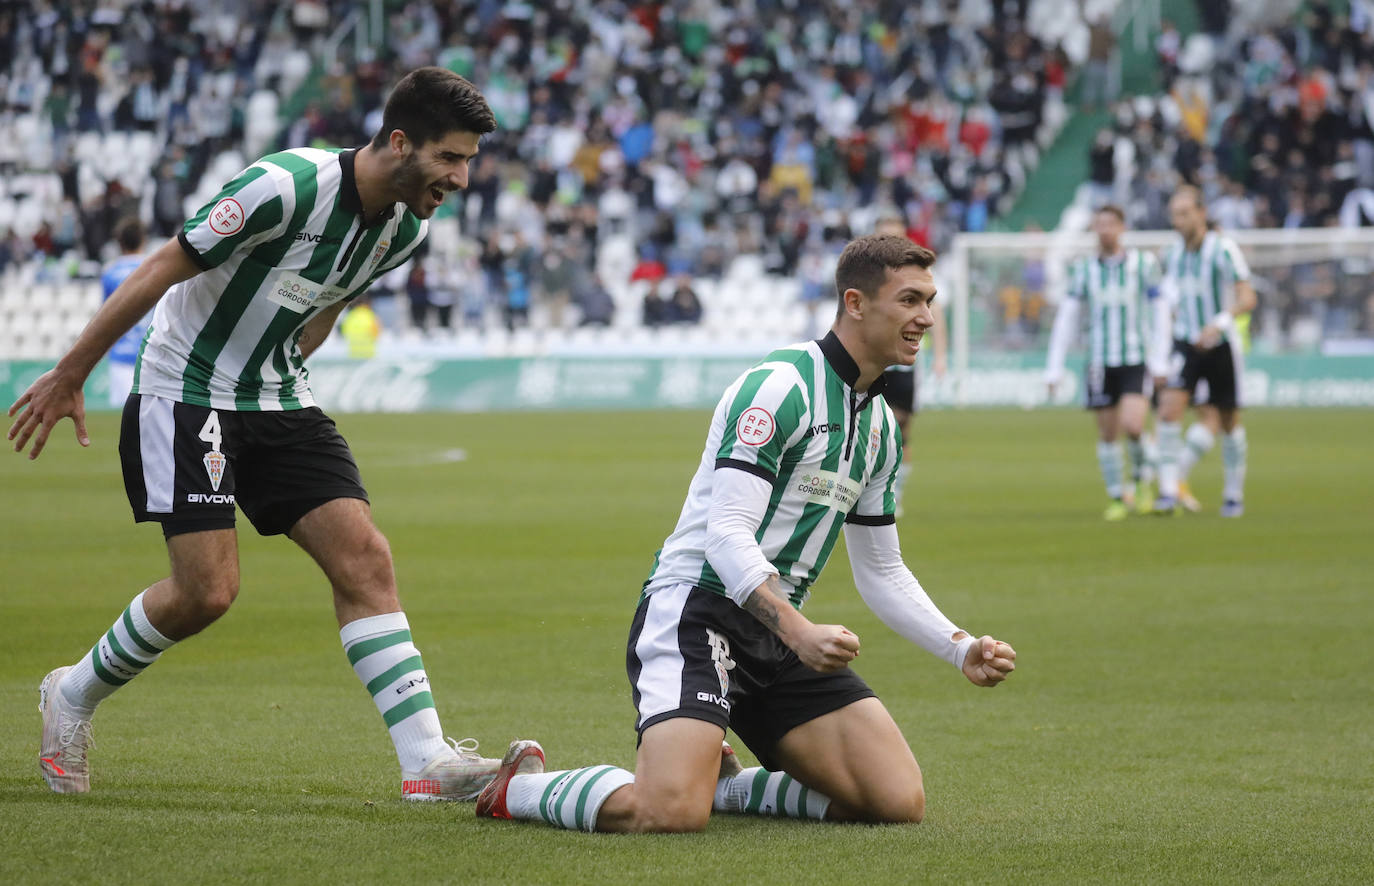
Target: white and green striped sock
1109, 462
757, 791
1170, 435
385, 659
568, 799
127, 648
1135, 457
1233, 451
1200, 441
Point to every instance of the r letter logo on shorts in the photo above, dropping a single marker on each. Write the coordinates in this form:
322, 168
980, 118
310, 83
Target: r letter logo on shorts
720, 654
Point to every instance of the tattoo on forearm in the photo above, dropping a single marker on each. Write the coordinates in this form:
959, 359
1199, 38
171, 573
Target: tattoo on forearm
763, 608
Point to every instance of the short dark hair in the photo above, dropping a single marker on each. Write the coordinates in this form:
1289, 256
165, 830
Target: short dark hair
429, 103
1194, 192
128, 233
866, 260
1113, 209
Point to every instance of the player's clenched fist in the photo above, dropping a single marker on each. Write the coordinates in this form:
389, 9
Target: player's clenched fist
827, 647
989, 662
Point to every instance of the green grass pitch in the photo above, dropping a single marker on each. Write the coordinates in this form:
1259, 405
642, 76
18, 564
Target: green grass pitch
1193, 701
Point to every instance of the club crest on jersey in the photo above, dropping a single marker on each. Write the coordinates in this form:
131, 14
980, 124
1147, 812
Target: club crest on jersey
380, 250
720, 656
875, 440
226, 217
755, 426
214, 467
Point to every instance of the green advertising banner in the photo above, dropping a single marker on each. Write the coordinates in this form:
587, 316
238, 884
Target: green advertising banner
481, 385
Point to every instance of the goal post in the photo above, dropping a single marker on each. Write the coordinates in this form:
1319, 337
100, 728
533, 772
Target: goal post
1311, 335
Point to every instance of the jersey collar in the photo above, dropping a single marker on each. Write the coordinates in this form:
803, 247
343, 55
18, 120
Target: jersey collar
349, 198
844, 366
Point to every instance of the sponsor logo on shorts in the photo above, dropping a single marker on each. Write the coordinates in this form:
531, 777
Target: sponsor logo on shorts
214, 467
755, 426
227, 217
206, 498
712, 698
829, 488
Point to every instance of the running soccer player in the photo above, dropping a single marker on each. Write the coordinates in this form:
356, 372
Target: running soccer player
799, 446
902, 383
1207, 282
1119, 288
221, 413
128, 233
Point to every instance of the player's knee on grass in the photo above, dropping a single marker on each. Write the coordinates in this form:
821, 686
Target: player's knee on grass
678, 815
893, 801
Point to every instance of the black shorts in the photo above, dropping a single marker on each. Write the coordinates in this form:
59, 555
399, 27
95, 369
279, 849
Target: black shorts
903, 389
1104, 386
1209, 376
694, 653
187, 466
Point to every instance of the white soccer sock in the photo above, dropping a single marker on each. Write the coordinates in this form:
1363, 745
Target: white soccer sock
1170, 446
567, 799
757, 791
1135, 456
1234, 449
903, 472
1200, 441
125, 651
1150, 467
385, 659
1109, 461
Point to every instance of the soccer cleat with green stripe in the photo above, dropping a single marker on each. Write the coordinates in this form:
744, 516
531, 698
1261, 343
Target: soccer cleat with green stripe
1116, 510
525, 757
66, 739
458, 776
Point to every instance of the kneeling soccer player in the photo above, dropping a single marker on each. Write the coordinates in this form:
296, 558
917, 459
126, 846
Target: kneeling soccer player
799, 445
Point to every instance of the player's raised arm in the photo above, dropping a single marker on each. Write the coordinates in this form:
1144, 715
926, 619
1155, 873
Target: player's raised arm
56, 394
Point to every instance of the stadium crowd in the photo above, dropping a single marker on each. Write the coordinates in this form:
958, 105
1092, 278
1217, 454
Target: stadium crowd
704, 129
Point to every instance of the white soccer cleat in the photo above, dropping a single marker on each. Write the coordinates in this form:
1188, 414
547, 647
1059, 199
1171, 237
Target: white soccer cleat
1187, 501
458, 776
525, 757
66, 739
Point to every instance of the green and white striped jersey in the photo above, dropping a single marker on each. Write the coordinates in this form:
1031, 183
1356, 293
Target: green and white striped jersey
282, 241
1200, 284
1115, 291
830, 453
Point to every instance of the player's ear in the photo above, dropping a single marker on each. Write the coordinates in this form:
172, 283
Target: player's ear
398, 142
854, 303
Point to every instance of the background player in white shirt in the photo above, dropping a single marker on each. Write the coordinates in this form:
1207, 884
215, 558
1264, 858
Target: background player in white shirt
799, 447
1119, 290
1207, 283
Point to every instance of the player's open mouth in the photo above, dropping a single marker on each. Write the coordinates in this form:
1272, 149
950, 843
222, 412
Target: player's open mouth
912, 338
437, 194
